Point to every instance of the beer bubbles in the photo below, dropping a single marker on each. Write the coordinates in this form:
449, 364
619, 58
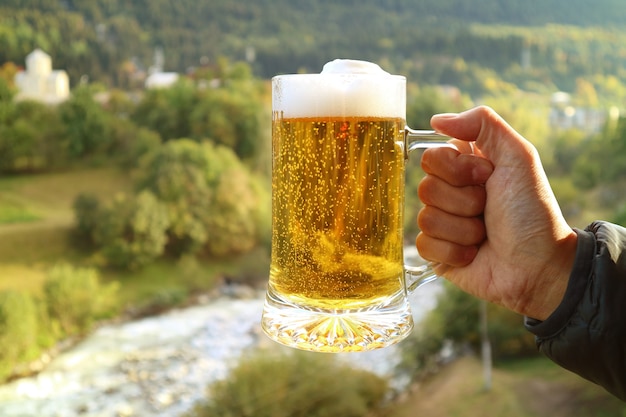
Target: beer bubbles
337, 274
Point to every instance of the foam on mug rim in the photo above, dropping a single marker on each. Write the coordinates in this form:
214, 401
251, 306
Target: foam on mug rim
343, 88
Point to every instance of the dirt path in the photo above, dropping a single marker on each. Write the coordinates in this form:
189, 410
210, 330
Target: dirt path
435, 397
554, 399
458, 391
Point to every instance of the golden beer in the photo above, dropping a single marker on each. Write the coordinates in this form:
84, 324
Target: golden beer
337, 210
338, 147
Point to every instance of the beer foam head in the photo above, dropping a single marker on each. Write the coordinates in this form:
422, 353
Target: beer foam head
343, 88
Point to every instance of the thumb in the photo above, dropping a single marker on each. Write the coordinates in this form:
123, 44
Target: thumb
494, 137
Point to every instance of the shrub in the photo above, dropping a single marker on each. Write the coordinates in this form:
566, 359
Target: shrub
86, 209
298, 384
135, 145
161, 300
231, 224
18, 330
131, 231
75, 298
212, 199
508, 338
455, 322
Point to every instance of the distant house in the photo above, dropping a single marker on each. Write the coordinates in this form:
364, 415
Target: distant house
564, 116
40, 82
161, 80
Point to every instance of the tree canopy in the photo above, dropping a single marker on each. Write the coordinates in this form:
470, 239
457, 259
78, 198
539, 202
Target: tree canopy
111, 40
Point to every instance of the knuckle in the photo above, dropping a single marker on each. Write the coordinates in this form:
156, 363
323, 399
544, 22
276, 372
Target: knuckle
427, 189
474, 204
444, 252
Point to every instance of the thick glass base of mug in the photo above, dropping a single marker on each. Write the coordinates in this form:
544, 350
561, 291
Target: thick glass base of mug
334, 331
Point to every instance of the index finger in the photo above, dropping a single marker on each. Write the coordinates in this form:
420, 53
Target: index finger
495, 138
456, 168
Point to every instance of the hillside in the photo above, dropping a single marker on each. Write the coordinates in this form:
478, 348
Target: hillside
525, 388
108, 41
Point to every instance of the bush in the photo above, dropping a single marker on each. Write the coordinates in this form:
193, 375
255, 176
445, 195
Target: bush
88, 126
131, 231
18, 330
130, 143
455, 322
231, 224
298, 384
509, 339
161, 300
213, 200
75, 298
86, 209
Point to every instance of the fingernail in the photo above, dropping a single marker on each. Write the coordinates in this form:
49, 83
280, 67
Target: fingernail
445, 115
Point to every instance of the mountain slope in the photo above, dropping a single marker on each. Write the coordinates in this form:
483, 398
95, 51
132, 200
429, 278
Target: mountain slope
106, 39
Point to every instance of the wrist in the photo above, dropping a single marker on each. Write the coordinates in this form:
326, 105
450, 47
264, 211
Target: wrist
576, 287
554, 279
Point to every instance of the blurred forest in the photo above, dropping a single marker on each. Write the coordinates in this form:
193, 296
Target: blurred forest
183, 172
439, 42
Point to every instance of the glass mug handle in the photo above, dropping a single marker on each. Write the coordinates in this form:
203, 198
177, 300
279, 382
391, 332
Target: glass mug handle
416, 276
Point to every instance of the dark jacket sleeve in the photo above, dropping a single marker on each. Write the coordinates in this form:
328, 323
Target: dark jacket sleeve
586, 334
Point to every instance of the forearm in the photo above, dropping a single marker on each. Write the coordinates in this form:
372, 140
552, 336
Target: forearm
587, 332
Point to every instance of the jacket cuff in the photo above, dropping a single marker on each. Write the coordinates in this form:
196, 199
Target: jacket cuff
579, 278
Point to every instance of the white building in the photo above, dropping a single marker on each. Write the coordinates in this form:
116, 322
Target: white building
157, 78
40, 82
161, 80
564, 115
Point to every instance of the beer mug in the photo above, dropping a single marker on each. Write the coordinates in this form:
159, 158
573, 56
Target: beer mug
337, 280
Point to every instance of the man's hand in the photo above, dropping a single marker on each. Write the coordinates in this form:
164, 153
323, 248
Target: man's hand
490, 219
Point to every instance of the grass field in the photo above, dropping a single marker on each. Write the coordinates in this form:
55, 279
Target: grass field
36, 222
523, 388
50, 196
36, 219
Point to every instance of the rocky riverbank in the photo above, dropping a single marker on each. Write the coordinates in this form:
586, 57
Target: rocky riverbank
155, 366
161, 365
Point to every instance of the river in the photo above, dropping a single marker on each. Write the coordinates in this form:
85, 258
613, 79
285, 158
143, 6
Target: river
160, 366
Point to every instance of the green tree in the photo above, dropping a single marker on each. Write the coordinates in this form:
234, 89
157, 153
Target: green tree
75, 298
426, 101
87, 124
180, 175
87, 213
130, 232
18, 144
228, 114
167, 110
422, 104
460, 312
508, 337
6, 91
604, 158
18, 330
211, 198
232, 114
421, 349
24, 144
232, 225
130, 143
567, 145
298, 384
456, 320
